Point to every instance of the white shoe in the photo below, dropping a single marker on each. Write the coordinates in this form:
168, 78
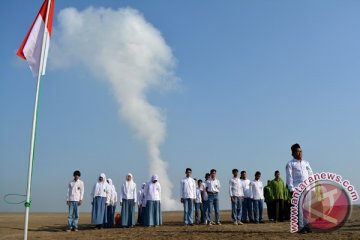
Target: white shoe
240, 223
68, 230
235, 223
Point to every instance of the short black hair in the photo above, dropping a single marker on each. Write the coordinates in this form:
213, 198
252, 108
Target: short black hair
199, 181
257, 173
213, 171
195, 179
276, 172
235, 170
76, 173
242, 172
207, 174
294, 147
188, 170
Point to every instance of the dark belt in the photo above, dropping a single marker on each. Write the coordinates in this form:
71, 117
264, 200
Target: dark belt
212, 192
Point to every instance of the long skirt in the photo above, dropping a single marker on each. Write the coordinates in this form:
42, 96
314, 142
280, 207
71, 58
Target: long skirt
110, 216
99, 211
127, 213
153, 215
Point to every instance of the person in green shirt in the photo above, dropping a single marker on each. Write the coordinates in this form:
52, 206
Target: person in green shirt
269, 199
280, 195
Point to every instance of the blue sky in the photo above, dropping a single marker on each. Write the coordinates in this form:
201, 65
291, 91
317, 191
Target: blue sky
256, 77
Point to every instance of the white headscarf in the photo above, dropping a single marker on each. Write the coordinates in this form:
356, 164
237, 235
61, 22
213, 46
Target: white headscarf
129, 185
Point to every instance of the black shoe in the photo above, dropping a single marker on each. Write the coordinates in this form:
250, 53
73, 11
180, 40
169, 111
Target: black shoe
303, 231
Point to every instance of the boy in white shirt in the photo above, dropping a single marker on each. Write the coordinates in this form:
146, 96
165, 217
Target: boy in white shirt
198, 202
188, 195
74, 199
257, 196
213, 189
236, 197
247, 208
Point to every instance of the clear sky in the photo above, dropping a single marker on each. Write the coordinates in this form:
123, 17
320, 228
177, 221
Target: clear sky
255, 77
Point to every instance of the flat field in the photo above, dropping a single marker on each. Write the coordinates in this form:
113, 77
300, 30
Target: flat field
53, 225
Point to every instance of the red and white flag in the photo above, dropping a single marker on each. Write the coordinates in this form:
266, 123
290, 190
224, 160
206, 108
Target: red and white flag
32, 45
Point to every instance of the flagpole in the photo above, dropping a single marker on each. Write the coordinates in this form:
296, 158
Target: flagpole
34, 123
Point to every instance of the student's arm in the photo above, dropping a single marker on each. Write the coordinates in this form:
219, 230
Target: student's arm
289, 178
68, 194
182, 190
82, 189
135, 195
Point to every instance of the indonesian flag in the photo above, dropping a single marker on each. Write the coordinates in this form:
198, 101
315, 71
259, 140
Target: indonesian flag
32, 46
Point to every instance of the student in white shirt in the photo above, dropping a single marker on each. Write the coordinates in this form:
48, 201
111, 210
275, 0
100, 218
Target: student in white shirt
247, 209
213, 189
297, 170
112, 206
205, 201
141, 204
188, 195
198, 202
128, 198
74, 199
100, 198
236, 197
153, 216
257, 195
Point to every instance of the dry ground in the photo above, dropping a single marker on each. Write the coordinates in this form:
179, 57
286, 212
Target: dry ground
52, 226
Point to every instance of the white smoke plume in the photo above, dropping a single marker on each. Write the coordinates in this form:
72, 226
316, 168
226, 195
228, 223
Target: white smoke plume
120, 47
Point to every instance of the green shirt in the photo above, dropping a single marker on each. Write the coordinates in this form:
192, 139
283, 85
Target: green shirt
268, 194
279, 189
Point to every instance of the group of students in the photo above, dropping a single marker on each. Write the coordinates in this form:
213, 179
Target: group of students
200, 198
197, 196
104, 199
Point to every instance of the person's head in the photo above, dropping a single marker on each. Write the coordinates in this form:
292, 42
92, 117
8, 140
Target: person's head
277, 174
207, 176
102, 177
243, 174
188, 172
154, 178
296, 151
268, 182
76, 175
199, 182
212, 173
257, 175
129, 177
143, 185
109, 181
235, 172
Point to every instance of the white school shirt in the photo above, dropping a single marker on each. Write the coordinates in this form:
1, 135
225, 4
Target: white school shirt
257, 190
75, 191
141, 198
128, 191
102, 189
153, 191
188, 188
198, 195
203, 192
296, 172
213, 185
246, 187
235, 187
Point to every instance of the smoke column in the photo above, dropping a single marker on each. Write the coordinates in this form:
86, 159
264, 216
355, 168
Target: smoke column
120, 47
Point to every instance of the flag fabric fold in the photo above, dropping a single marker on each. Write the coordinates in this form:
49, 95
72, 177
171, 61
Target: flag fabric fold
31, 47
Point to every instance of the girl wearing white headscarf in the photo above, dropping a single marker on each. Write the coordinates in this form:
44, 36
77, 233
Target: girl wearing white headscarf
111, 207
128, 198
100, 196
153, 215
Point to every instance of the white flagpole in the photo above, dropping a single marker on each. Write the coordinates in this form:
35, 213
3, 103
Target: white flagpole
33, 131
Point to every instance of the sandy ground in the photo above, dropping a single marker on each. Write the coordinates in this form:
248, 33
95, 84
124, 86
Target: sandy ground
53, 225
